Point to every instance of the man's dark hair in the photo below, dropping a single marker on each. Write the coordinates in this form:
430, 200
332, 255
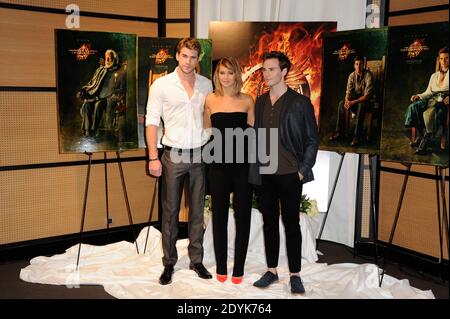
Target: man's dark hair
358, 58
281, 57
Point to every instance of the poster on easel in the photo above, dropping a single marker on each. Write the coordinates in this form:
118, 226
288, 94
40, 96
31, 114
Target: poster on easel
248, 41
156, 58
96, 91
352, 90
416, 118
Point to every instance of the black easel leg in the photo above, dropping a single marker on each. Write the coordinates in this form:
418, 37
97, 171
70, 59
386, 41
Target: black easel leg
86, 189
155, 190
130, 218
438, 202
394, 226
106, 193
373, 210
331, 199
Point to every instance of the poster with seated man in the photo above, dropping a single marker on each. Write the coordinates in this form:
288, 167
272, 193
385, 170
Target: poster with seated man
352, 90
96, 85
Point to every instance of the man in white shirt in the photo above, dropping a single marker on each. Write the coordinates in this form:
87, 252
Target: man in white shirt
178, 98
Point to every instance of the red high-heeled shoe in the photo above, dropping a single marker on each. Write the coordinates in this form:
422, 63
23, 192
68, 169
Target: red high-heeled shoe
221, 278
237, 280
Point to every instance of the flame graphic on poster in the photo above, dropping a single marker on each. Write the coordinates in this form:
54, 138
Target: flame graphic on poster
304, 50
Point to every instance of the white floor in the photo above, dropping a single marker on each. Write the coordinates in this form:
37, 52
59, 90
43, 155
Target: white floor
125, 274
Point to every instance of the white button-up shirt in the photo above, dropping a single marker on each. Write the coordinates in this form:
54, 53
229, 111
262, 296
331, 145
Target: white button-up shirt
433, 85
183, 117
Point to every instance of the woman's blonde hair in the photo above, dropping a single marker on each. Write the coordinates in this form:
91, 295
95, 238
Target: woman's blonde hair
233, 65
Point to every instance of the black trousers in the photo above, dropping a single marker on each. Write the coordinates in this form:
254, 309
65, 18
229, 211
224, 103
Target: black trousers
282, 191
223, 180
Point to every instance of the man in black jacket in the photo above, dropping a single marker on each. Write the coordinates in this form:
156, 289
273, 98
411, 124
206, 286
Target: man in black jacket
287, 119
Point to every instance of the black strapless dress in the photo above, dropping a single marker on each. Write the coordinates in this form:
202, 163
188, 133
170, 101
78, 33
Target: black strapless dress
230, 120
225, 178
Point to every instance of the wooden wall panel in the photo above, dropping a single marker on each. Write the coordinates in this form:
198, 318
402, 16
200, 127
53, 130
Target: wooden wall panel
139, 8
398, 5
419, 18
42, 203
177, 30
30, 133
28, 50
417, 228
428, 169
178, 9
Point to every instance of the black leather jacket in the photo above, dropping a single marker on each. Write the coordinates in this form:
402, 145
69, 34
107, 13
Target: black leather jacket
298, 133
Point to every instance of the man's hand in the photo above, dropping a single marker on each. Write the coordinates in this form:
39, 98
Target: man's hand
446, 101
155, 168
300, 176
415, 98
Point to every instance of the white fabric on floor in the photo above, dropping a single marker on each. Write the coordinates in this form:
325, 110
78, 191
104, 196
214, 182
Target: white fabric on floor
125, 274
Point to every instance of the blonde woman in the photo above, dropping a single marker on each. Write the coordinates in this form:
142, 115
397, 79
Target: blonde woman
228, 108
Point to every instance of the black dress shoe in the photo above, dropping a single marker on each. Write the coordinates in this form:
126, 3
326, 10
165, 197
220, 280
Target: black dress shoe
416, 142
166, 276
200, 270
424, 144
421, 151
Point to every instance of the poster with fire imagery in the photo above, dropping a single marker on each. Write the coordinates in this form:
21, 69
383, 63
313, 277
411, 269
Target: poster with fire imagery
248, 41
416, 118
96, 89
156, 58
352, 90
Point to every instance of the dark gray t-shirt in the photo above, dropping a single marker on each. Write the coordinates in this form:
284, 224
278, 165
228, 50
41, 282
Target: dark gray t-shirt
287, 164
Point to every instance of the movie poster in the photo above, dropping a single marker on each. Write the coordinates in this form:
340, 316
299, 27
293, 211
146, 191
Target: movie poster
156, 59
96, 88
415, 119
352, 90
300, 41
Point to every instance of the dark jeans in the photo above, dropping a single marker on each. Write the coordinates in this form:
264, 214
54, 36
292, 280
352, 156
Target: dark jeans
223, 180
359, 110
428, 114
282, 191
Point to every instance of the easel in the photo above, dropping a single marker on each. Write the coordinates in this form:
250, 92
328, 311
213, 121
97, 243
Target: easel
372, 206
373, 214
342, 154
440, 191
86, 191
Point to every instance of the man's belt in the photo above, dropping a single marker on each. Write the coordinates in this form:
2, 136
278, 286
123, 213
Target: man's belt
182, 150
